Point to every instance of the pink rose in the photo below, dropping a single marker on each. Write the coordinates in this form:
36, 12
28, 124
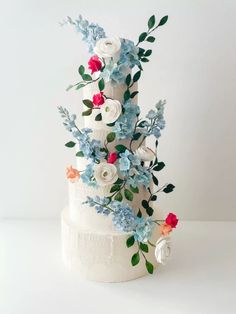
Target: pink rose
98, 99
172, 220
94, 64
112, 157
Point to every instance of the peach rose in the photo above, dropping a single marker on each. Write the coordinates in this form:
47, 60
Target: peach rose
165, 229
72, 174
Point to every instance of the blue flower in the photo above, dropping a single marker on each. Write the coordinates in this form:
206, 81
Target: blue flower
100, 204
144, 229
91, 32
87, 176
123, 217
124, 162
129, 54
124, 126
114, 73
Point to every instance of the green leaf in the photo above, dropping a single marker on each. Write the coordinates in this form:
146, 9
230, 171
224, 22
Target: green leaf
119, 181
128, 195
126, 95
139, 214
128, 79
81, 70
163, 20
87, 112
151, 22
110, 137
111, 124
149, 267
79, 154
70, 144
159, 166
151, 39
98, 117
136, 136
69, 87
133, 94
155, 180
142, 37
115, 188
87, 77
130, 241
88, 103
148, 53
80, 86
118, 197
144, 59
134, 190
169, 188
154, 198
101, 85
135, 259
143, 247
149, 211
120, 148
145, 204
137, 76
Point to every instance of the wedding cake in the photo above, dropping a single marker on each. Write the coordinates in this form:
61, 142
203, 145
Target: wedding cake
111, 228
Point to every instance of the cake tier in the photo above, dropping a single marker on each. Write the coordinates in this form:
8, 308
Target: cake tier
101, 256
114, 92
85, 217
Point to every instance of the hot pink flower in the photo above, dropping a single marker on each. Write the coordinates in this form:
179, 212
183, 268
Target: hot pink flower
112, 157
94, 64
72, 174
98, 99
172, 220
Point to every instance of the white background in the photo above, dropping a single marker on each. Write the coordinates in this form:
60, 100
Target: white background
193, 67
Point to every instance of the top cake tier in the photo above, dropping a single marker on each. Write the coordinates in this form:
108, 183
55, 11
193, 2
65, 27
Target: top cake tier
110, 91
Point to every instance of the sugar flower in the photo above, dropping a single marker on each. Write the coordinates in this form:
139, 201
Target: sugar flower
172, 220
143, 230
111, 110
108, 48
91, 32
95, 64
163, 250
165, 229
72, 174
98, 99
145, 153
112, 158
105, 173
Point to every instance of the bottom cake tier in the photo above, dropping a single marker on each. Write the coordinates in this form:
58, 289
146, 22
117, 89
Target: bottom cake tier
101, 256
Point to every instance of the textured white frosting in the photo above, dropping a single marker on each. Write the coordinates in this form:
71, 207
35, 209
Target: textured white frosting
101, 256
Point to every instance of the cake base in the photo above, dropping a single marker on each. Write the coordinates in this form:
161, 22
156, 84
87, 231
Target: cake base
99, 256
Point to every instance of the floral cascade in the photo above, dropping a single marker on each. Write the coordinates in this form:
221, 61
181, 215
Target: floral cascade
126, 169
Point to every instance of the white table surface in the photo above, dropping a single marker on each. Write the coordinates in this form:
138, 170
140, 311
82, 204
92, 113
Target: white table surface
200, 277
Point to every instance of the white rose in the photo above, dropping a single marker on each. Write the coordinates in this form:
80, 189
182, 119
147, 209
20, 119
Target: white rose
163, 249
105, 173
111, 110
108, 48
145, 153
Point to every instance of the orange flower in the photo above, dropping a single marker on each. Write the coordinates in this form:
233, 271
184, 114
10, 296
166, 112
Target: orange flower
72, 174
165, 229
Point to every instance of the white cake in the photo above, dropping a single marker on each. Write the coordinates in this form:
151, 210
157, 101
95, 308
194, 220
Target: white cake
111, 230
